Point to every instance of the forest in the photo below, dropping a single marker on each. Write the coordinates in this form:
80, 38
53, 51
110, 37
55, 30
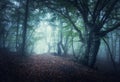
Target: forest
59, 40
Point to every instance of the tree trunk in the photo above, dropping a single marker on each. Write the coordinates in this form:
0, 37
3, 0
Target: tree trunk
87, 43
25, 28
91, 49
93, 52
17, 33
59, 51
119, 50
3, 39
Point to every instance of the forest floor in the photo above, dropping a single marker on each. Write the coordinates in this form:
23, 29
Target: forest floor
48, 68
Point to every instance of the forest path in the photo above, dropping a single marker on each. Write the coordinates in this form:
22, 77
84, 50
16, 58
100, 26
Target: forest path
46, 68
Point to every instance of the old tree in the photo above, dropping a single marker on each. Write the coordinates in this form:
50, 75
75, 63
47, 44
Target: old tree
91, 19
96, 15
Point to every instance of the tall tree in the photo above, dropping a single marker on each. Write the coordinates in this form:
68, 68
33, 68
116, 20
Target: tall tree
96, 15
25, 28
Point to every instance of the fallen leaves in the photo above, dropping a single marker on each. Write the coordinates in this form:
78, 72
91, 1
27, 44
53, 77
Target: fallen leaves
45, 68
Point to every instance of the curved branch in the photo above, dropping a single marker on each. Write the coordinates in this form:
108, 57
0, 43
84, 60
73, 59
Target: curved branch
108, 12
99, 6
113, 62
103, 33
70, 20
76, 28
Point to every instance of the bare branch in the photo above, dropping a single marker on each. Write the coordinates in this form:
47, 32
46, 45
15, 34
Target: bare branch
110, 29
100, 5
75, 27
80, 6
70, 20
108, 12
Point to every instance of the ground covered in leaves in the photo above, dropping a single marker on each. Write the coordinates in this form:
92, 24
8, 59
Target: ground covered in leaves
48, 68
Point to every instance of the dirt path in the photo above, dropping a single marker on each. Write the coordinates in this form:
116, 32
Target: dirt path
46, 68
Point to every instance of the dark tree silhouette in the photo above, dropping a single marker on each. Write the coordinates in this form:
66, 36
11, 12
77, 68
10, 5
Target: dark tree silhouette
25, 28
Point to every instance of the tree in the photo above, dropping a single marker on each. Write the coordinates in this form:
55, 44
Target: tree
25, 28
94, 19
4, 21
91, 20
96, 15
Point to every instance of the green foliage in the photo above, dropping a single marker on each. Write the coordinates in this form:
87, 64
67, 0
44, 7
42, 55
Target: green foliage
61, 15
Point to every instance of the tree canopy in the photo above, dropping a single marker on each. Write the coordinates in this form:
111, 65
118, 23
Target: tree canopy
69, 26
